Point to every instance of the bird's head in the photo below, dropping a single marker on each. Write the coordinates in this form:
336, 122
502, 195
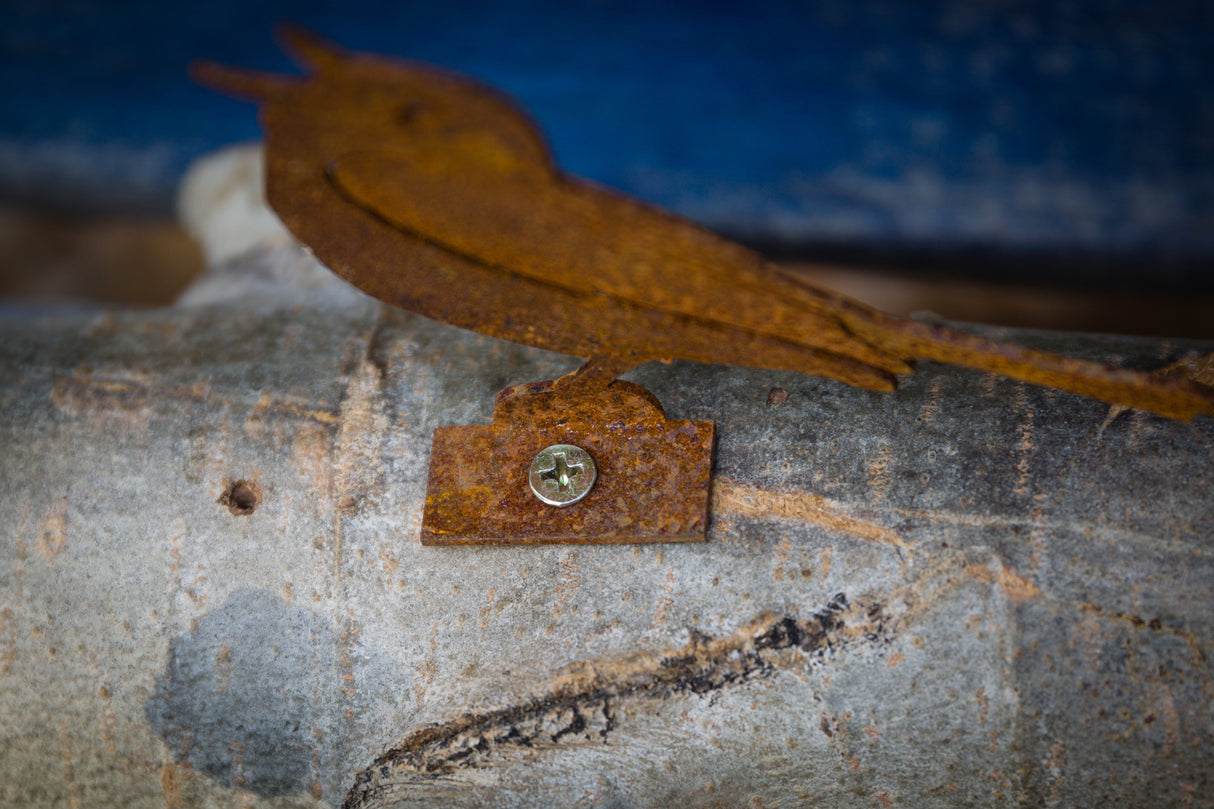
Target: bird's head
347, 102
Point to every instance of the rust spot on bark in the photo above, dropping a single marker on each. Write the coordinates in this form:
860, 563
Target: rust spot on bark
171, 778
8, 639
879, 473
1017, 587
932, 405
290, 406
123, 396
731, 499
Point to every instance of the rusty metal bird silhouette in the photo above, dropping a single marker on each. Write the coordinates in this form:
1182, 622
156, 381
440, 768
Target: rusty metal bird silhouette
433, 192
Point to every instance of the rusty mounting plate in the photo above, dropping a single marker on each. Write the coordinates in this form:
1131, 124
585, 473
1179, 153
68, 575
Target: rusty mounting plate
652, 473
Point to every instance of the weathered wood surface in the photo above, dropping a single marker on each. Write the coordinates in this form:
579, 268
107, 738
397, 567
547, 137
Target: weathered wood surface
970, 592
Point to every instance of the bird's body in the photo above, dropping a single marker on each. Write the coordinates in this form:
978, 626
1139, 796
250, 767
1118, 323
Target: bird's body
434, 193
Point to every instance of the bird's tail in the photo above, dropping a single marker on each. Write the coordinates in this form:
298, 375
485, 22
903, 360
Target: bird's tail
1175, 397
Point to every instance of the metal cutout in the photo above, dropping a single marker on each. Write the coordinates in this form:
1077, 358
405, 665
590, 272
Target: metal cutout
652, 473
436, 194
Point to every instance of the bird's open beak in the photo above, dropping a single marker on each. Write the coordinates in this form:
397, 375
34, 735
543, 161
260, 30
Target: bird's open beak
251, 85
307, 49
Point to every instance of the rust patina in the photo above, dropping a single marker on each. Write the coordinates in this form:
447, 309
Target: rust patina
435, 193
653, 473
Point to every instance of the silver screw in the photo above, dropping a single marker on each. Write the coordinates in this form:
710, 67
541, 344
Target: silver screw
562, 474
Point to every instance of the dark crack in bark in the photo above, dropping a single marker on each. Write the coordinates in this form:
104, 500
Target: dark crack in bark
582, 705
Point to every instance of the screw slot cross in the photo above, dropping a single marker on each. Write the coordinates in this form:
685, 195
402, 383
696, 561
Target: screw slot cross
562, 472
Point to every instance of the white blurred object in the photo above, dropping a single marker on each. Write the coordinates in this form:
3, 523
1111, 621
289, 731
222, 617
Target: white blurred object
221, 202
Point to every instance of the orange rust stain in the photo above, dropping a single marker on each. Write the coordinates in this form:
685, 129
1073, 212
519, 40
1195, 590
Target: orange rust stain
1018, 588
932, 405
828, 556
8, 639
129, 396
197, 589
983, 704
209, 451
783, 551
1139, 421
86, 396
175, 550
69, 763
224, 669
885, 800
172, 780
879, 475
665, 602
390, 565
1038, 535
106, 714
53, 535
872, 732
292, 406
895, 659
425, 671
487, 610
733, 499
1055, 764
321, 568
239, 778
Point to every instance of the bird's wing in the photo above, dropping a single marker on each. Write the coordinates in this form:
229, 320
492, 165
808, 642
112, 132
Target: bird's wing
534, 223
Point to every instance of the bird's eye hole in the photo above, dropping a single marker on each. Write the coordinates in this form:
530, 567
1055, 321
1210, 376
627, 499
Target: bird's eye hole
407, 114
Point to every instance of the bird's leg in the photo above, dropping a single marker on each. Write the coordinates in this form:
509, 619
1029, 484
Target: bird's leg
594, 375
592, 396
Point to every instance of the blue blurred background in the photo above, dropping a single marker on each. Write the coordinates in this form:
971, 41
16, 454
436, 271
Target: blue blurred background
1055, 142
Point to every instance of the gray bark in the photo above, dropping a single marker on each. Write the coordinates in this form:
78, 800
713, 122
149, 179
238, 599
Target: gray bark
971, 592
